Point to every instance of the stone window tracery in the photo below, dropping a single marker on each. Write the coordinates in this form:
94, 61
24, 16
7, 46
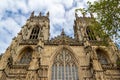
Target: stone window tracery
102, 58
34, 33
64, 67
26, 56
90, 34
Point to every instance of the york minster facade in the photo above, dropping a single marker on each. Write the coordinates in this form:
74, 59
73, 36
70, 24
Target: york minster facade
32, 55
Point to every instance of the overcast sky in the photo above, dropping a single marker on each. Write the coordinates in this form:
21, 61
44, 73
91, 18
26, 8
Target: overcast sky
14, 13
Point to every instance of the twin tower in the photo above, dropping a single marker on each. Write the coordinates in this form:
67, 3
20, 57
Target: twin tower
32, 55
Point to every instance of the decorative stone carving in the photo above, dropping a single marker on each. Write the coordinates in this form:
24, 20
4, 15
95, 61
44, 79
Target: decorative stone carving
25, 32
26, 56
13, 53
88, 49
63, 39
47, 14
65, 62
29, 42
34, 65
39, 49
32, 14
32, 76
10, 61
60, 58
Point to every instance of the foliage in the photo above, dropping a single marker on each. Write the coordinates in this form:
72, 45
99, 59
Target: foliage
108, 17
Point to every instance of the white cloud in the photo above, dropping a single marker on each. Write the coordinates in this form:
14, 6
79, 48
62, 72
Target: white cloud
68, 3
13, 15
90, 1
10, 25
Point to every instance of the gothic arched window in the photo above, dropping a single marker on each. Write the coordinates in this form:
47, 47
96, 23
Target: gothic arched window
26, 56
90, 34
64, 67
102, 56
35, 32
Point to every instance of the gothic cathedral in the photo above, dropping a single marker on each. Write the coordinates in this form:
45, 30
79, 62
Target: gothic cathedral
32, 55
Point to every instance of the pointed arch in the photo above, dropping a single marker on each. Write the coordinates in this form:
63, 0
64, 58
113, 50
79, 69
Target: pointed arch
102, 56
59, 49
35, 32
25, 55
90, 33
64, 65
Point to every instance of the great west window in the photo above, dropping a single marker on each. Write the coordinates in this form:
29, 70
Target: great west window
64, 67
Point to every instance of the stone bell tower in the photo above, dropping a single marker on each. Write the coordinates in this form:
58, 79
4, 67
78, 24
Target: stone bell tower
81, 25
22, 58
102, 58
36, 27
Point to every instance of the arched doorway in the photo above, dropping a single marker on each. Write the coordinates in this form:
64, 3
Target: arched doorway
64, 67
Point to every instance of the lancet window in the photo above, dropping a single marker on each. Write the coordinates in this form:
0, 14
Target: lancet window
26, 56
34, 33
64, 67
102, 57
90, 34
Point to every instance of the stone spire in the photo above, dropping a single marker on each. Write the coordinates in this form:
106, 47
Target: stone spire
32, 14
76, 15
40, 14
63, 32
47, 14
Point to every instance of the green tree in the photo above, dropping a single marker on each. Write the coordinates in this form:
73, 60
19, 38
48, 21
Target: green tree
108, 17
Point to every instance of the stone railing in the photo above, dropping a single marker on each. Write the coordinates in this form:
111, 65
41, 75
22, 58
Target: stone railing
110, 66
29, 42
96, 42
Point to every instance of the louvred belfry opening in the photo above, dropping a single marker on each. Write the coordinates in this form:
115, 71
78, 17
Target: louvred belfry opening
34, 33
90, 34
64, 67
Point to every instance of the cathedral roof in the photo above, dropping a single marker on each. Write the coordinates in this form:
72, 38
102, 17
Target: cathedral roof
63, 39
